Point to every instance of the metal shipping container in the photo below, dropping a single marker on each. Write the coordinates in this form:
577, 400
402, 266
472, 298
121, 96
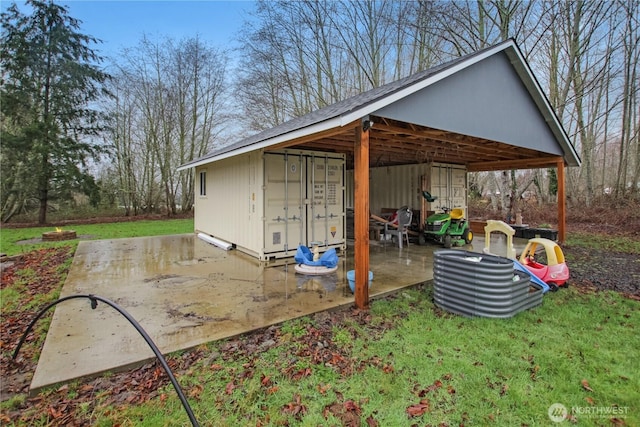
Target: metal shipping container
449, 184
395, 186
267, 204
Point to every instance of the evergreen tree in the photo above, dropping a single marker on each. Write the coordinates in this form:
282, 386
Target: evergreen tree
50, 79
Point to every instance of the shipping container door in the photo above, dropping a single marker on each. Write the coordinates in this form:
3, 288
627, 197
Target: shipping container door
449, 185
284, 202
325, 190
459, 188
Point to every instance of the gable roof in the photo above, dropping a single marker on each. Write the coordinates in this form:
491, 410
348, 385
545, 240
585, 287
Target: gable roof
386, 101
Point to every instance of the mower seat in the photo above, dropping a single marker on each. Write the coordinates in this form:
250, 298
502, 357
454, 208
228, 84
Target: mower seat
457, 214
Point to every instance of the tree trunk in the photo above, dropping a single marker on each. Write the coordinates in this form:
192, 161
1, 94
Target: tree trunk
43, 189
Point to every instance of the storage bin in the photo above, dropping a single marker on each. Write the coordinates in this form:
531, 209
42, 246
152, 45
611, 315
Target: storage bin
473, 284
351, 277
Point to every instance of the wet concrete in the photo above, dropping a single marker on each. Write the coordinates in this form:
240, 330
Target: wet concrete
185, 292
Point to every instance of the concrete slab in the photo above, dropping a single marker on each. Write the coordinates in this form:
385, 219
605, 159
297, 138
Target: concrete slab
185, 292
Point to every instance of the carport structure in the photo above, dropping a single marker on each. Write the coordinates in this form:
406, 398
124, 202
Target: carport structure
485, 111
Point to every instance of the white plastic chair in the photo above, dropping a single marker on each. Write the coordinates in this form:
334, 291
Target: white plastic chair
404, 215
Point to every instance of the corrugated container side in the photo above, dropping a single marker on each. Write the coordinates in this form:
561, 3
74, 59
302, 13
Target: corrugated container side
266, 204
304, 201
396, 186
232, 208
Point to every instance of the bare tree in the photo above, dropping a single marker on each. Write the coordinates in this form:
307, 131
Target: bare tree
169, 98
305, 55
123, 142
265, 85
199, 74
468, 26
424, 47
301, 56
628, 178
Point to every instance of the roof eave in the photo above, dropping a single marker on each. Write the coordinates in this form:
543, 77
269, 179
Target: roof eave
266, 143
340, 120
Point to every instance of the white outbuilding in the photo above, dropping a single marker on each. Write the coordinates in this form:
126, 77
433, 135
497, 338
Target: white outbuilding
292, 184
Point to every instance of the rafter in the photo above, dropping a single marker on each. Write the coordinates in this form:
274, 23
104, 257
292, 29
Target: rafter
395, 143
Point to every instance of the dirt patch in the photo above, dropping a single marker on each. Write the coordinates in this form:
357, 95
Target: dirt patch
604, 270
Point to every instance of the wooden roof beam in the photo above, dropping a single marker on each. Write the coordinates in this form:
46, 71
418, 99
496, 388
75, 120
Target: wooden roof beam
318, 136
488, 147
492, 151
438, 134
529, 163
488, 154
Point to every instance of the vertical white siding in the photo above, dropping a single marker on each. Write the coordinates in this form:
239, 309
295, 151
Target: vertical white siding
232, 208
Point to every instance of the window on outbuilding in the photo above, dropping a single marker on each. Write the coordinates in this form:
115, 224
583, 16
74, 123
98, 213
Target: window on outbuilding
203, 183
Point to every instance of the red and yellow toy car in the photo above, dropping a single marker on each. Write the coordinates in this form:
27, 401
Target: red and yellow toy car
556, 272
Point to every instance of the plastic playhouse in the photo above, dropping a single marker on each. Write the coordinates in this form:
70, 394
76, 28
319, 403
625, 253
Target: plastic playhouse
553, 274
487, 285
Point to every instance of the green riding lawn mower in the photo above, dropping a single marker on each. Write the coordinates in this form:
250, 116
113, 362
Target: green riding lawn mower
447, 228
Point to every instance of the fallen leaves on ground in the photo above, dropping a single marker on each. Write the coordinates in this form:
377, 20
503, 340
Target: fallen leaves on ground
348, 412
419, 409
434, 392
295, 407
591, 272
585, 385
35, 275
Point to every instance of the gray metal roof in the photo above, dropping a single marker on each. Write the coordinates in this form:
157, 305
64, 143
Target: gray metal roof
359, 106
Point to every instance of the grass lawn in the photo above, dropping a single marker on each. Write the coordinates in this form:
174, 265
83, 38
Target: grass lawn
10, 237
411, 364
402, 363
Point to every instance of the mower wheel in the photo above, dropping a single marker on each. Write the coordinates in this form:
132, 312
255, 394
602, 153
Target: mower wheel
447, 241
468, 236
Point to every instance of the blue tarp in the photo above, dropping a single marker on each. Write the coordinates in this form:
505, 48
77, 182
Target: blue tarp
305, 256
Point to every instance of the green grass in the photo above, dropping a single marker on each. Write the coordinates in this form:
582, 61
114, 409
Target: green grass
576, 349
600, 241
9, 237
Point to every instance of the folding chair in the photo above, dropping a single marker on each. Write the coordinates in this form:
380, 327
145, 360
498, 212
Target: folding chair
403, 217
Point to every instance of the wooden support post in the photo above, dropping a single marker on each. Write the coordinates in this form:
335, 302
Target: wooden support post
425, 185
562, 211
361, 217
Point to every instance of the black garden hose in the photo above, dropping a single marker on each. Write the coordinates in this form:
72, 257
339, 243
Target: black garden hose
94, 303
